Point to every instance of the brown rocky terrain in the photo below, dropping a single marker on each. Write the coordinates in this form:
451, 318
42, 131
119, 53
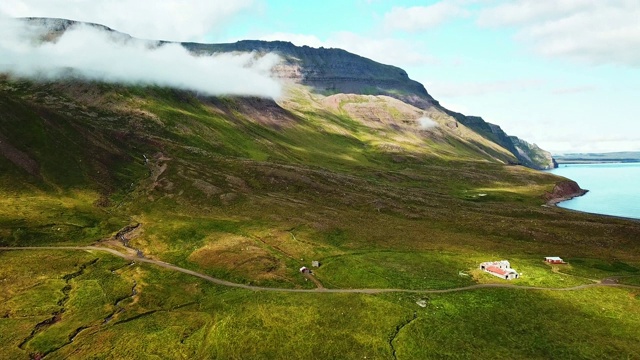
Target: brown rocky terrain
564, 190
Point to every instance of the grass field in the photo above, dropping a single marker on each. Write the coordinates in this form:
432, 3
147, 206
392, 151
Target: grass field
223, 189
176, 316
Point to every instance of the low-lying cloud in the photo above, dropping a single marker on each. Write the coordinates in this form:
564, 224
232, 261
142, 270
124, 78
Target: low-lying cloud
95, 54
427, 123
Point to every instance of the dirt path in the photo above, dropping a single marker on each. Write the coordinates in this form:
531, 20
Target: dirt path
318, 290
315, 281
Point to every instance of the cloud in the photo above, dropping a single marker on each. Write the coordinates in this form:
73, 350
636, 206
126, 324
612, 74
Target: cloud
90, 53
595, 32
392, 51
419, 18
427, 123
526, 12
176, 20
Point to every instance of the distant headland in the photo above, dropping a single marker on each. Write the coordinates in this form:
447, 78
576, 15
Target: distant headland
593, 158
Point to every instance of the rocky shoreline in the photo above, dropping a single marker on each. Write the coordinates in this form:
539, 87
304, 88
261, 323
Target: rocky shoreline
567, 190
563, 191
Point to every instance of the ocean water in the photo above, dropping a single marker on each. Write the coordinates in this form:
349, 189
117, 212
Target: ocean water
614, 189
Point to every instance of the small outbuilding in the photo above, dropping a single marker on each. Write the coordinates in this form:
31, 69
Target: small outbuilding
554, 260
305, 270
315, 264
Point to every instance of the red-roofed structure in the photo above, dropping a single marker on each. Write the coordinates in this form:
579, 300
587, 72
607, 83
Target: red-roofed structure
501, 269
496, 270
554, 260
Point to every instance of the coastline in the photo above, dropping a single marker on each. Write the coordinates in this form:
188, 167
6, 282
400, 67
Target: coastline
553, 202
597, 178
595, 162
564, 190
556, 201
612, 217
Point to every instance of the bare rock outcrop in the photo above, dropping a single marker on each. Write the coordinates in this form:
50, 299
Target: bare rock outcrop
562, 191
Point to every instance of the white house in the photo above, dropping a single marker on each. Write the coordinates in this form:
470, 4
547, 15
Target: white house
503, 264
501, 269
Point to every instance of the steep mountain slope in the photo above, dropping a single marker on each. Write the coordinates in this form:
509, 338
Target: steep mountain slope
331, 71
337, 71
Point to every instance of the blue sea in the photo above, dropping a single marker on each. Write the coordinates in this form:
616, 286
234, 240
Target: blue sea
614, 189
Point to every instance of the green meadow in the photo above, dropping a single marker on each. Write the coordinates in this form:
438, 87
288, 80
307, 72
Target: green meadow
177, 316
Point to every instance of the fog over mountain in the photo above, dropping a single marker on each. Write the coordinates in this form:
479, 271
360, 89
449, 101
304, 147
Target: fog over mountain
36, 50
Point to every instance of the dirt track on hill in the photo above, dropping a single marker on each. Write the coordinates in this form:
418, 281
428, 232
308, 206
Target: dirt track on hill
603, 283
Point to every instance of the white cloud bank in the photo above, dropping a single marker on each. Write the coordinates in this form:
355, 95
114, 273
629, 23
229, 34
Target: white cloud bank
94, 54
174, 20
418, 18
591, 31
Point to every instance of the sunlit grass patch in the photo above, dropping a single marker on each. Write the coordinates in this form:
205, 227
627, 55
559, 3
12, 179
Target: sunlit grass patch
533, 271
239, 254
397, 270
592, 323
43, 218
600, 268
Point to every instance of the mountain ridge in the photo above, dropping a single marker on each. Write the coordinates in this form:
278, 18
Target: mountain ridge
332, 71
394, 82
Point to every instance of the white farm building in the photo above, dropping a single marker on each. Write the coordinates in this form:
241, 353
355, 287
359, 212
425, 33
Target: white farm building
501, 269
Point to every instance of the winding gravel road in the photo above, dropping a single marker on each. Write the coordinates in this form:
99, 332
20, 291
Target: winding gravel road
318, 290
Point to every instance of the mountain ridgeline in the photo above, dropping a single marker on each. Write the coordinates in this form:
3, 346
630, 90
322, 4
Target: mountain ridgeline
331, 71
336, 71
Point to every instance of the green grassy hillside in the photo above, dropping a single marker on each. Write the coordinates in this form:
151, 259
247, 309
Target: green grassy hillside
248, 190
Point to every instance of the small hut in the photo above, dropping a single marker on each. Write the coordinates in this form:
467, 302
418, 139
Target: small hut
315, 264
554, 260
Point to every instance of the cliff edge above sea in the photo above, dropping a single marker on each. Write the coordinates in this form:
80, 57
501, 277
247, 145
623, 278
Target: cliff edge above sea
563, 191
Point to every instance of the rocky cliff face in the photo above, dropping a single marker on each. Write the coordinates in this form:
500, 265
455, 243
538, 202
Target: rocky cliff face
532, 155
564, 190
332, 71
529, 155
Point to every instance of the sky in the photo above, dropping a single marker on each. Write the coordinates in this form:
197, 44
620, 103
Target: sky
564, 74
